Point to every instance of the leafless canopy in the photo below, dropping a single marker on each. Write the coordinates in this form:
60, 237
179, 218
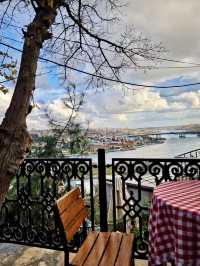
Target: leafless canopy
88, 44
81, 38
87, 36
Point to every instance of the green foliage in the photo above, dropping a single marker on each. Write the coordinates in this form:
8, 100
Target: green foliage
46, 147
78, 139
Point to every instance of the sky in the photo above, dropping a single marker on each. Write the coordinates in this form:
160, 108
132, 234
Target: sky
175, 23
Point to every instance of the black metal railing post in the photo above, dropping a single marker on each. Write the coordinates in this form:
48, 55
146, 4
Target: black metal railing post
102, 190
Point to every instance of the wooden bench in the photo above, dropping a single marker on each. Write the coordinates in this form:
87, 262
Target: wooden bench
104, 248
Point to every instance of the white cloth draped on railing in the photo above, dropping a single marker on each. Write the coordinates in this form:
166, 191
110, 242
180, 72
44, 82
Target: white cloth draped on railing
119, 201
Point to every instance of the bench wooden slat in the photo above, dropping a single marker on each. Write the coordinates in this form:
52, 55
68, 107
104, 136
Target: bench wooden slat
112, 249
85, 249
75, 223
125, 251
98, 249
67, 199
71, 212
102, 249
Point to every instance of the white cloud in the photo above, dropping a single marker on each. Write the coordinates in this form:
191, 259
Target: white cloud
175, 23
36, 120
147, 100
58, 111
4, 101
112, 108
189, 100
115, 102
122, 117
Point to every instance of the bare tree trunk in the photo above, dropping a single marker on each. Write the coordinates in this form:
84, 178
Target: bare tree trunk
15, 141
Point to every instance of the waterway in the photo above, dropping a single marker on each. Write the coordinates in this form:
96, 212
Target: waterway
172, 147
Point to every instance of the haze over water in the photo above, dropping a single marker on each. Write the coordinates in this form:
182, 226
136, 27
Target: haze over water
172, 147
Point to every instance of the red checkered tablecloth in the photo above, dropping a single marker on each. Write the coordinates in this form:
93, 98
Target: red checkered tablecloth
174, 224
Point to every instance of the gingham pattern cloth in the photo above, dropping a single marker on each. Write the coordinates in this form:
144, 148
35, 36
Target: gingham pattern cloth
174, 224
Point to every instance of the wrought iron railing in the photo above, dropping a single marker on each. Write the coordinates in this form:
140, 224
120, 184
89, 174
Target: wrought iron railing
27, 216
135, 175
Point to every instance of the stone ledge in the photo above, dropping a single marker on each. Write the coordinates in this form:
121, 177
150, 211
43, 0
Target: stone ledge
16, 255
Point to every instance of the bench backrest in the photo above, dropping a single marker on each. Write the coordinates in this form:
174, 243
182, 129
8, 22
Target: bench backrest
72, 212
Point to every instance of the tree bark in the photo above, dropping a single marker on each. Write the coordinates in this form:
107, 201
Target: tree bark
15, 141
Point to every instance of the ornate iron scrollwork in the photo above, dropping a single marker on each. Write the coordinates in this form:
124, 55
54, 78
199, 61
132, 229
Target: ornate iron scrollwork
27, 215
133, 173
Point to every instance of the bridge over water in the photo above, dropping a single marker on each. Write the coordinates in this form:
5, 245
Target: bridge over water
161, 133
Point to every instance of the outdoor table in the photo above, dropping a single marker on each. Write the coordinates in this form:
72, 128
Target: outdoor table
174, 224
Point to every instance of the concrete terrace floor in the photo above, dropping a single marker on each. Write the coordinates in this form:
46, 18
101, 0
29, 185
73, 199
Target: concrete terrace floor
15, 255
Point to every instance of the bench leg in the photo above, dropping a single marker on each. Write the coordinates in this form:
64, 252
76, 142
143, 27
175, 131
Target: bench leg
66, 258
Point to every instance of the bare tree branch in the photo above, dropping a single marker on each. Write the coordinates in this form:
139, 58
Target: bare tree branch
80, 39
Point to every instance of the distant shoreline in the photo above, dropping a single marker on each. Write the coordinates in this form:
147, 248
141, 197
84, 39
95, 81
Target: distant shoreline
121, 149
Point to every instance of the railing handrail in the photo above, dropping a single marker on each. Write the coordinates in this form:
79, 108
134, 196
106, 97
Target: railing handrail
188, 153
30, 203
155, 159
